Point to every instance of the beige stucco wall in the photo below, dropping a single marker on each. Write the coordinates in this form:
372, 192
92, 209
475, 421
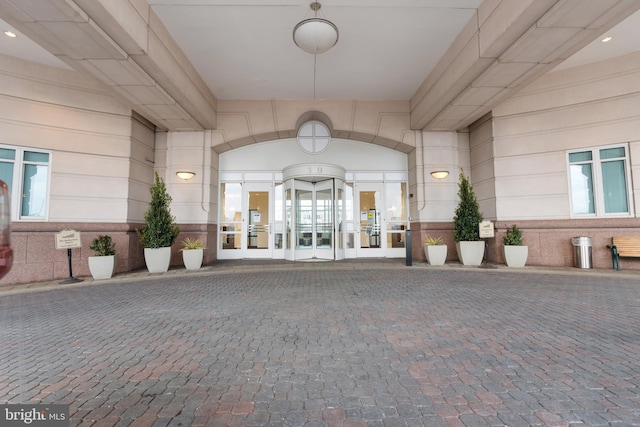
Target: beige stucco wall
242, 123
586, 106
89, 131
519, 158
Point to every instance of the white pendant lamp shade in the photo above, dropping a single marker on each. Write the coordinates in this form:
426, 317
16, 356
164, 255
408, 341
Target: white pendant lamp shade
315, 35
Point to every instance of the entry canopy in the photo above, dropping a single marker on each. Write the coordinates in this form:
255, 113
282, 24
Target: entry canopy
313, 172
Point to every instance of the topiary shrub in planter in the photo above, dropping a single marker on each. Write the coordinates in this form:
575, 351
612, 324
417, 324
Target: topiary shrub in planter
466, 221
103, 264
160, 230
515, 254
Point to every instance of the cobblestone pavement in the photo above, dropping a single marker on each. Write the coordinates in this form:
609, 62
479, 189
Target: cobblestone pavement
357, 346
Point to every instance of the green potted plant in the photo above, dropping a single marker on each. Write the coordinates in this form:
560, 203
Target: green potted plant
103, 264
466, 223
192, 253
435, 250
515, 253
160, 230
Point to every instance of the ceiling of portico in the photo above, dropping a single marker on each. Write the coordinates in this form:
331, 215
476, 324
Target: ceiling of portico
388, 50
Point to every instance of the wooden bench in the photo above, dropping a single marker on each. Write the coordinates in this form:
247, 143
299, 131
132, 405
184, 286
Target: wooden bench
624, 247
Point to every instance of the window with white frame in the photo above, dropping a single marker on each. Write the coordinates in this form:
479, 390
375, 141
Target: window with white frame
599, 182
26, 172
314, 137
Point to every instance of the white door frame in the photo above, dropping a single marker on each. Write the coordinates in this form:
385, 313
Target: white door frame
313, 244
264, 234
371, 230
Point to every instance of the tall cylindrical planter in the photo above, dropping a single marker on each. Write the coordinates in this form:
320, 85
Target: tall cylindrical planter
157, 259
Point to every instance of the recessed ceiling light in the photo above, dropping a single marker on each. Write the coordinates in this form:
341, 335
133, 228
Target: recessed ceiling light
606, 39
10, 33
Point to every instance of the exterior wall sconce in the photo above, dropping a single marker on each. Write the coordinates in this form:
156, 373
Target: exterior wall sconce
185, 175
440, 174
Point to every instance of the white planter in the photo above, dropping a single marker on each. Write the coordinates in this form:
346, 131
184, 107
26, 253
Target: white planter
470, 253
157, 259
102, 267
515, 256
436, 254
192, 258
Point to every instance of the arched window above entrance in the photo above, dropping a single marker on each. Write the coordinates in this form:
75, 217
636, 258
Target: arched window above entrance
314, 137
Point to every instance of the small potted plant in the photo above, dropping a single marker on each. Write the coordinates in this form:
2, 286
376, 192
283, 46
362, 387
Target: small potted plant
466, 222
160, 230
103, 264
435, 250
515, 254
192, 253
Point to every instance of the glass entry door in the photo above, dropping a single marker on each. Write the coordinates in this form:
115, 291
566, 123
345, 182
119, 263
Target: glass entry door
258, 231
313, 220
372, 227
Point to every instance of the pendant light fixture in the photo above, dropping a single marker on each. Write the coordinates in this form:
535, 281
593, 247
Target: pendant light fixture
315, 35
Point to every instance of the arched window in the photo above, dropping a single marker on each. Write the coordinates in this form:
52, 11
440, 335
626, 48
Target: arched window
314, 137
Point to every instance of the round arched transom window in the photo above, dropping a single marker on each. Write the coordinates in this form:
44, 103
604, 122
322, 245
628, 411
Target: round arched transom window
314, 137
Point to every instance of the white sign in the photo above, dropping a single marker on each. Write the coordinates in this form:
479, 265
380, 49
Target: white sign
67, 239
487, 230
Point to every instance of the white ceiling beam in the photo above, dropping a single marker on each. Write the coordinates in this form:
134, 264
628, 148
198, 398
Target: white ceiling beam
504, 47
123, 44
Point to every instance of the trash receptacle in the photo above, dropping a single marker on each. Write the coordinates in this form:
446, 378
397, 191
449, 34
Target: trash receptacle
581, 252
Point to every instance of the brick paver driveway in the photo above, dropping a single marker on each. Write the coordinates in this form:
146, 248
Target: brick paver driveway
331, 347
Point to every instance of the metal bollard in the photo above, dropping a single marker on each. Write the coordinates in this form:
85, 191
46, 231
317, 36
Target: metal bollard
407, 246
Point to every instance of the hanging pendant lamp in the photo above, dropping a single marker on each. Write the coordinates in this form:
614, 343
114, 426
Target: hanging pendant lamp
315, 35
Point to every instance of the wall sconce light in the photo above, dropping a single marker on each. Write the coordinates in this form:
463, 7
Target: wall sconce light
440, 174
185, 175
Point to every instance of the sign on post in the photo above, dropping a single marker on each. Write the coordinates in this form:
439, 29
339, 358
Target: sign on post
487, 230
68, 239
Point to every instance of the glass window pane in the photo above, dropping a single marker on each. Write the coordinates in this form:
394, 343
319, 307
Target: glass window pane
258, 229
231, 201
287, 209
230, 240
321, 144
320, 129
395, 240
6, 174
582, 189
34, 190
395, 199
32, 156
306, 144
306, 130
348, 207
580, 157
614, 187
277, 194
324, 218
304, 219
6, 153
612, 153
